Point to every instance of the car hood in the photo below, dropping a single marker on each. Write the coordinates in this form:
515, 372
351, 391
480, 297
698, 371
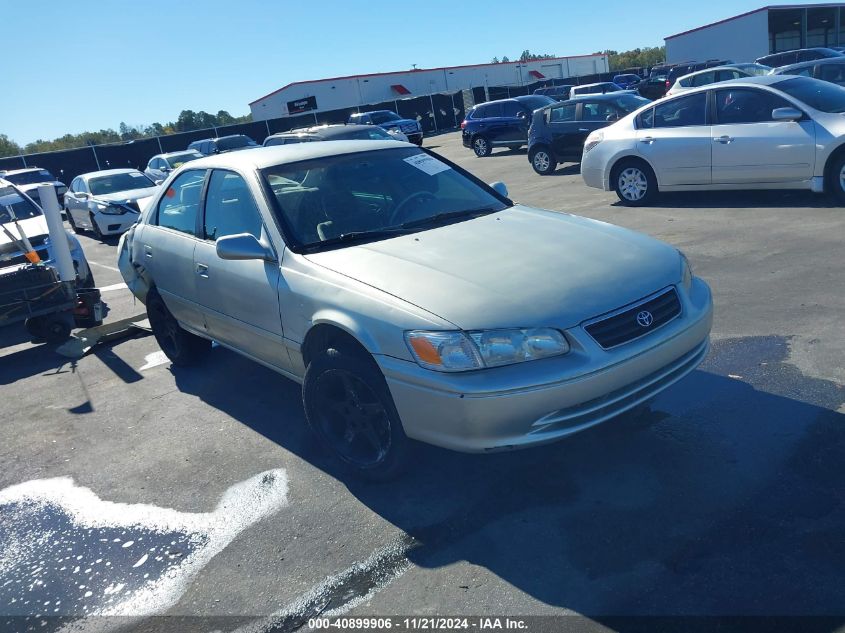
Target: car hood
32, 228
521, 267
132, 195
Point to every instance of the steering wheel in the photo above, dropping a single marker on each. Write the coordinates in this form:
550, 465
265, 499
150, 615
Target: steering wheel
400, 211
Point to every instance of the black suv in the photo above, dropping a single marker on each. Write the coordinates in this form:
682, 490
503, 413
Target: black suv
831, 69
798, 55
502, 123
234, 142
558, 131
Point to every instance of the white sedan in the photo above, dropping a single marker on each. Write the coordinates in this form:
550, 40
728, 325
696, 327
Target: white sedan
769, 132
107, 202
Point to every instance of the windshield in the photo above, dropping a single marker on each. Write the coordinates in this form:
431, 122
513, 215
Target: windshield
368, 194
234, 142
372, 133
30, 177
180, 159
817, 94
13, 204
103, 185
629, 103
384, 117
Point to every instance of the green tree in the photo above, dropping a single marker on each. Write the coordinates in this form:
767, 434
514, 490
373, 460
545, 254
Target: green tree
8, 147
528, 56
636, 58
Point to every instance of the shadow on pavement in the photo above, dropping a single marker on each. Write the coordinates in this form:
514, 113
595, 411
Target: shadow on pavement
742, 200
725, 498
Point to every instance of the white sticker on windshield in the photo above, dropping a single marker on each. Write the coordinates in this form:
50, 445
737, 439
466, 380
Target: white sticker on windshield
426, 163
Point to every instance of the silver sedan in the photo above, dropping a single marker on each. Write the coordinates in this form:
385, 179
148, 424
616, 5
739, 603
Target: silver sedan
410, 299
769, 132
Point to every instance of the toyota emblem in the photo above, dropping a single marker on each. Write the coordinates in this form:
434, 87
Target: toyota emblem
644, 318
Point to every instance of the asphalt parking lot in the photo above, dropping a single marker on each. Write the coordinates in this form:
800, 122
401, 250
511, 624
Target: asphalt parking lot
724, 498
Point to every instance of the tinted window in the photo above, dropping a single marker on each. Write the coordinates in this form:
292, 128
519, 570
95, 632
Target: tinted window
562, 113
535, 102
703, 79
833, 72
804, 71
597, 111
725, 75
677, 112
628, 103
234, 142
14, 205
820, 95
745, 105
383, 117
177, 160
30, 177
179, 206
113, 183
491, 110
511, 108
229, 207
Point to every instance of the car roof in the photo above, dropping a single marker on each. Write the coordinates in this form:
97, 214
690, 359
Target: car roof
325, 131
169, 154
708, 70
813, 62
261, 157
108, 172
23, 170
598, 83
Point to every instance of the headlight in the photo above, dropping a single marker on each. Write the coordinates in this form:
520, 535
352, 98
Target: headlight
110, 210
463, 351
686, 272
592, 140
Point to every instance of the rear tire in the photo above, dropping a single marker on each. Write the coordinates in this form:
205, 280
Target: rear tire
836, 179
543, 161
634, 183
179, 345
350, 409
481, 146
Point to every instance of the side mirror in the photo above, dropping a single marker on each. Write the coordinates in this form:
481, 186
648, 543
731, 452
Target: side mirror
500, 188
82, 195
243, 246
786, 114
165, 170
522, 114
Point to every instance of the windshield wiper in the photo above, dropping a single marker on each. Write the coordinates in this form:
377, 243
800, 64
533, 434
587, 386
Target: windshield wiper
448, 215
355, 235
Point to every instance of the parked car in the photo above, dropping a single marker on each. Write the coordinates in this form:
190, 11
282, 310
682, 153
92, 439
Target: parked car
596, 88
653, 88
831, 69
627, 81
390, 121
160, 165
29, 178
231, 143
752, 68
797, 55
15, 204
558, 131
705, 77
107, 202
558, 93
686, 68
338, 132
502, 123
770, 132
404, 294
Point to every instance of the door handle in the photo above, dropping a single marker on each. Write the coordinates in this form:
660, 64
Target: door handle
148, 251
583, 129
647, 139
202, 270
723, 139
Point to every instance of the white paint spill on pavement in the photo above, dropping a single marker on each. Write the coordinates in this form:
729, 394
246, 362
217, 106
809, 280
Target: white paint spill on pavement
154, 360
48, 525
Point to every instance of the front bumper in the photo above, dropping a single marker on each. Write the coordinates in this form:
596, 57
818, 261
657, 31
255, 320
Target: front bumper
115, 224
414, 137
542, 401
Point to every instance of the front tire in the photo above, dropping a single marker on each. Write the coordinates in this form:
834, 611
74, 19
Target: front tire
95, 228
179, 345
836, 183
350, 409
634, 183
481, 146
543, 161
71, 222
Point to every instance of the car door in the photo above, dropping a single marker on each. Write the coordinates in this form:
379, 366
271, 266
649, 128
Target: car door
675, 139
239, 298
168, 242
563, 129
77, 204
515, 119
492, 125
750, 147
594, 115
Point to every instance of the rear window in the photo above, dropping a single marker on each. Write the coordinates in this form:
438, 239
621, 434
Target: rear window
30, 177
234, 142
821, 95
14, 205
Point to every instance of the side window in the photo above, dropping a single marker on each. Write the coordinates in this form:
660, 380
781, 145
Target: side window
563, 113
74, 186
596, 111
179, 206
804, 71
679, 112
724, 75
229, 207
511, 109
703, 79
493, 110
833, 72
746, 105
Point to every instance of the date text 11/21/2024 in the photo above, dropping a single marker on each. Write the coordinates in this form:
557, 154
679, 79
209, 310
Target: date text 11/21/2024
424, 623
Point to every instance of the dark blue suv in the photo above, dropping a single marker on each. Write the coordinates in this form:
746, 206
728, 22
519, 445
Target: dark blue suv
502, 123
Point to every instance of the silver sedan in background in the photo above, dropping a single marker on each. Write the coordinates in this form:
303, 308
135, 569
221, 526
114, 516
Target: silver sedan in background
769, 132
412, 300
160, 165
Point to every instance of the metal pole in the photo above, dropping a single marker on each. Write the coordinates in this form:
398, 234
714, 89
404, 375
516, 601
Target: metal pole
96, 159
267, 125
315, 118
433, 113
60, 245
160, 148
23, 158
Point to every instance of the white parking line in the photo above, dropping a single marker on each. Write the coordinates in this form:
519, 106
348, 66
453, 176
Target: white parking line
119, 286
104, 266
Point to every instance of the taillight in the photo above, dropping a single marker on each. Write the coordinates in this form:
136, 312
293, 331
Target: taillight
463, 124
668, 85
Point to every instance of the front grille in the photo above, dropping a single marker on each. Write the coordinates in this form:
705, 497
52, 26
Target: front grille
633, 322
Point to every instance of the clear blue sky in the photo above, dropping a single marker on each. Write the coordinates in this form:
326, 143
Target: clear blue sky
106, 61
